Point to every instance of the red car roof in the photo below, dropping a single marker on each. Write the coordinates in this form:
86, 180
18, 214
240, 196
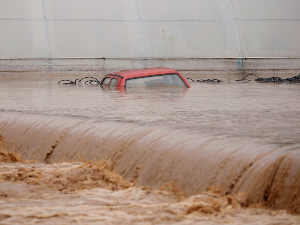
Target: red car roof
143, 72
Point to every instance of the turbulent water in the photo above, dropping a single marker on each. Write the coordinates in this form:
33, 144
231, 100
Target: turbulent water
90, 193
239, 136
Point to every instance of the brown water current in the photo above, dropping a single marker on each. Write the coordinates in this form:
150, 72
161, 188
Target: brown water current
239, 137
86, 192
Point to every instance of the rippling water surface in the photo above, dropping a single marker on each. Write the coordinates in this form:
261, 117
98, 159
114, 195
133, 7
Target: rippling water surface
269, 112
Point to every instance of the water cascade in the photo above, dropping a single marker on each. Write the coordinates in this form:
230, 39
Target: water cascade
154, 155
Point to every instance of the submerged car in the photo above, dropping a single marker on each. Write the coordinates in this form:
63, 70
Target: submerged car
153, 77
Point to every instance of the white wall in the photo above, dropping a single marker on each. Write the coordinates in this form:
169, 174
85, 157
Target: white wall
149, 28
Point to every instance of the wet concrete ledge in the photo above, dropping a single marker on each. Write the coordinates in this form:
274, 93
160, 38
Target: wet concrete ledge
99, 66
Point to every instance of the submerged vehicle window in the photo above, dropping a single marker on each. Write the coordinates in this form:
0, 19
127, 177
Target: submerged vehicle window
106, 81
113, 82
162, 80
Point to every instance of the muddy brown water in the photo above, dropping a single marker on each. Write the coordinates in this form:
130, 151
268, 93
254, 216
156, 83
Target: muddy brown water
241, 136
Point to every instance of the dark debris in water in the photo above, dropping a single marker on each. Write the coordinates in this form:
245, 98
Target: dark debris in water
84, 80
208, 80
295, 79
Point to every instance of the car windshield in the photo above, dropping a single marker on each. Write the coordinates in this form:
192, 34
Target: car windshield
161, 80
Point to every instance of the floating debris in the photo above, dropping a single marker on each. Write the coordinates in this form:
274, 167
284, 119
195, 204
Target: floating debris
84, 80
295, 79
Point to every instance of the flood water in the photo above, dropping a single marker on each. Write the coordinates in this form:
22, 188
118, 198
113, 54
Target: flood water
239, 137
269, 112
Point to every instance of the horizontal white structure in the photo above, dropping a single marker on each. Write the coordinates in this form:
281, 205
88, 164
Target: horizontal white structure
149, 29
